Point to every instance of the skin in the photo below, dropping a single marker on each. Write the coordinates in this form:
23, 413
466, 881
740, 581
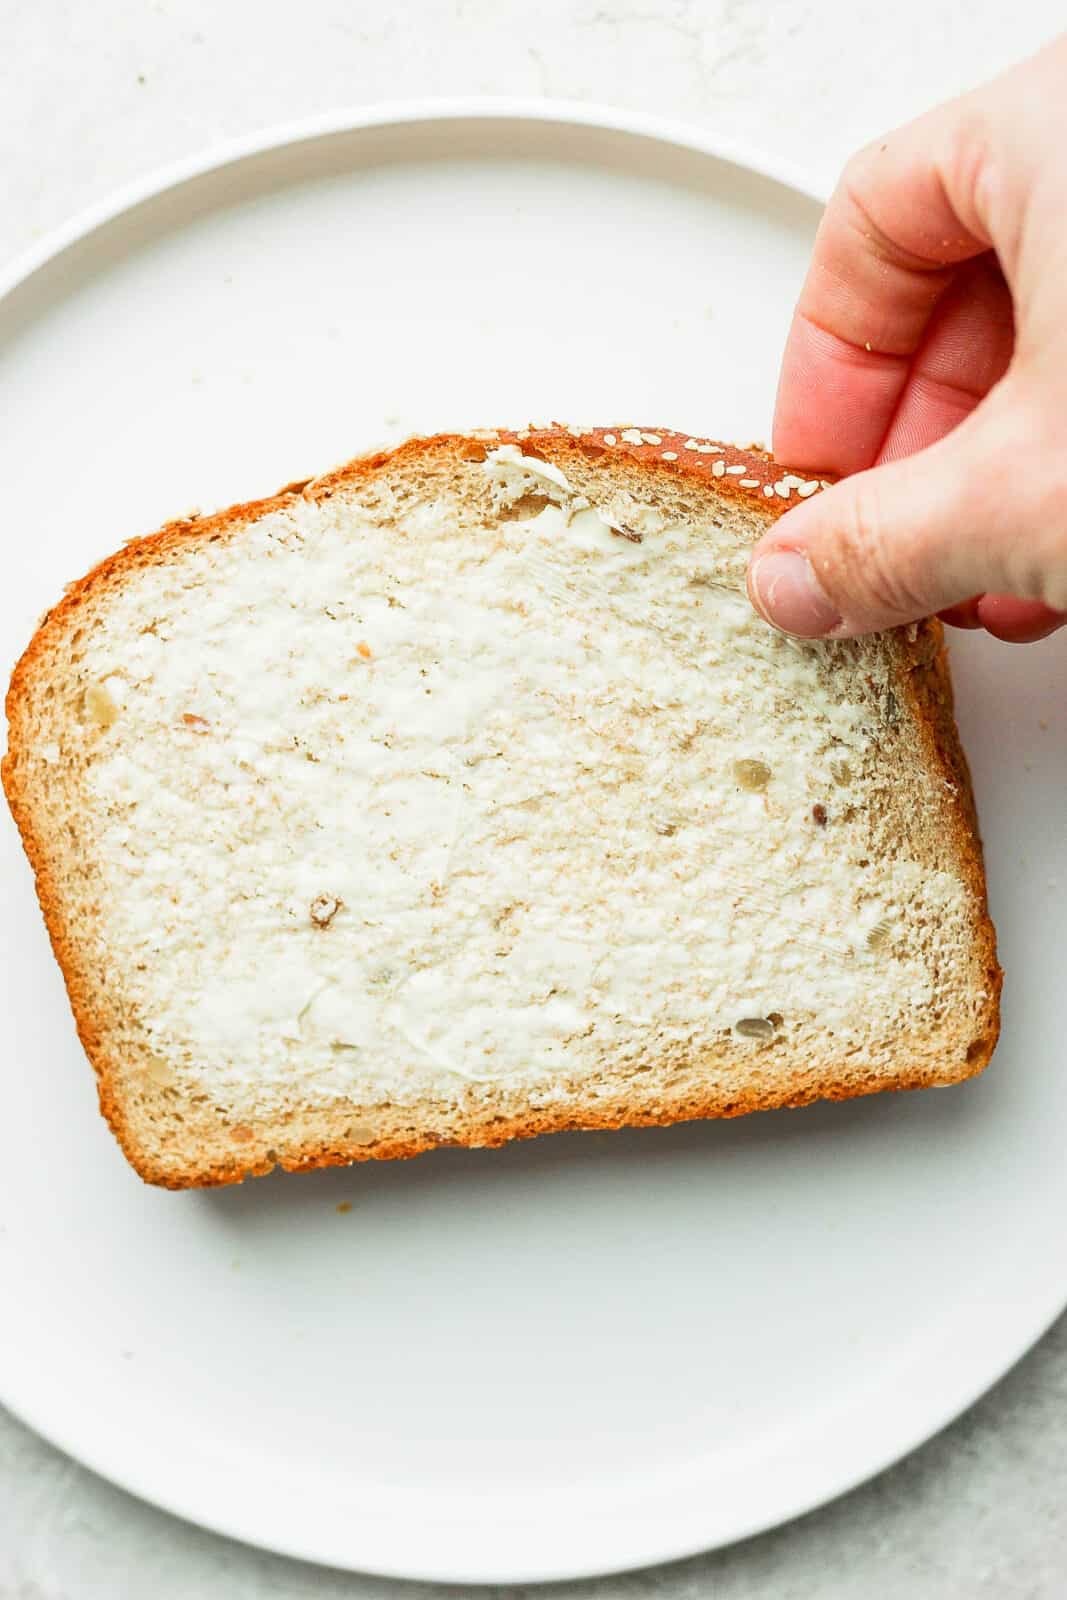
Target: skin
927, 367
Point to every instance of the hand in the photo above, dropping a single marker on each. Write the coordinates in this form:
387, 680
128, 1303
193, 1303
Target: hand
927, 365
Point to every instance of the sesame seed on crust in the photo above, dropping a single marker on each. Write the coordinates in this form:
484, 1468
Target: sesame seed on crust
741, 472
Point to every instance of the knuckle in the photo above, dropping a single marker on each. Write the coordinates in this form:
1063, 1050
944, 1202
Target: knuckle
969, 163
1022, 478
859, 181
863, 164
866, 572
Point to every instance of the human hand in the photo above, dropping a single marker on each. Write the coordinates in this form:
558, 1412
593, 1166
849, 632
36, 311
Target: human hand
928, 358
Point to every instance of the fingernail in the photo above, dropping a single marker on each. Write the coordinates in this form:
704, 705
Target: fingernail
787, 593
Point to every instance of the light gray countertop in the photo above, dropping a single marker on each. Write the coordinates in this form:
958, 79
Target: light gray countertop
96, 93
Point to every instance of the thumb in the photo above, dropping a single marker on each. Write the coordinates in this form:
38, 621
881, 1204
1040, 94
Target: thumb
917, 535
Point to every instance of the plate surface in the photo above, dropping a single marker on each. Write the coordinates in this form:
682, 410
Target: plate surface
591, 1351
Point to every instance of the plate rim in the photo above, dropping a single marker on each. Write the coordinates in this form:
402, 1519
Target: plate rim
398, 113
939, 1405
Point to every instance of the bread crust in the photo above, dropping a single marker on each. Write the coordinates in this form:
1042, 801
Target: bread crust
747, 476
483, 1133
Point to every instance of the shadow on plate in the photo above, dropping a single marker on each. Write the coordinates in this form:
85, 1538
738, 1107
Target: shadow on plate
924, 1124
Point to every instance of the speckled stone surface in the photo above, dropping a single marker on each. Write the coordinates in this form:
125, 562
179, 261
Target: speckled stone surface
92, 94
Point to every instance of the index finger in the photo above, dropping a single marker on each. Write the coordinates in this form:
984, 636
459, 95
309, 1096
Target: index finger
899, 223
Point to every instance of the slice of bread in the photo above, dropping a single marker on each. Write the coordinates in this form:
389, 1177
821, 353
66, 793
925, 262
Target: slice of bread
460, 795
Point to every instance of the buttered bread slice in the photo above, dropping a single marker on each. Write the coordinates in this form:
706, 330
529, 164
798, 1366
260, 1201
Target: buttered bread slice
460, 795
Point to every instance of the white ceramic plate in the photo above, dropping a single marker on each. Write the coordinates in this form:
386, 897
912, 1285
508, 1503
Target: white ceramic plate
587, 1352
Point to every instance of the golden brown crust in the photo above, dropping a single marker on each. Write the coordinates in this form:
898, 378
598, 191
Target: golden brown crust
491, 1132
750, 477
931, 685
756, 473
